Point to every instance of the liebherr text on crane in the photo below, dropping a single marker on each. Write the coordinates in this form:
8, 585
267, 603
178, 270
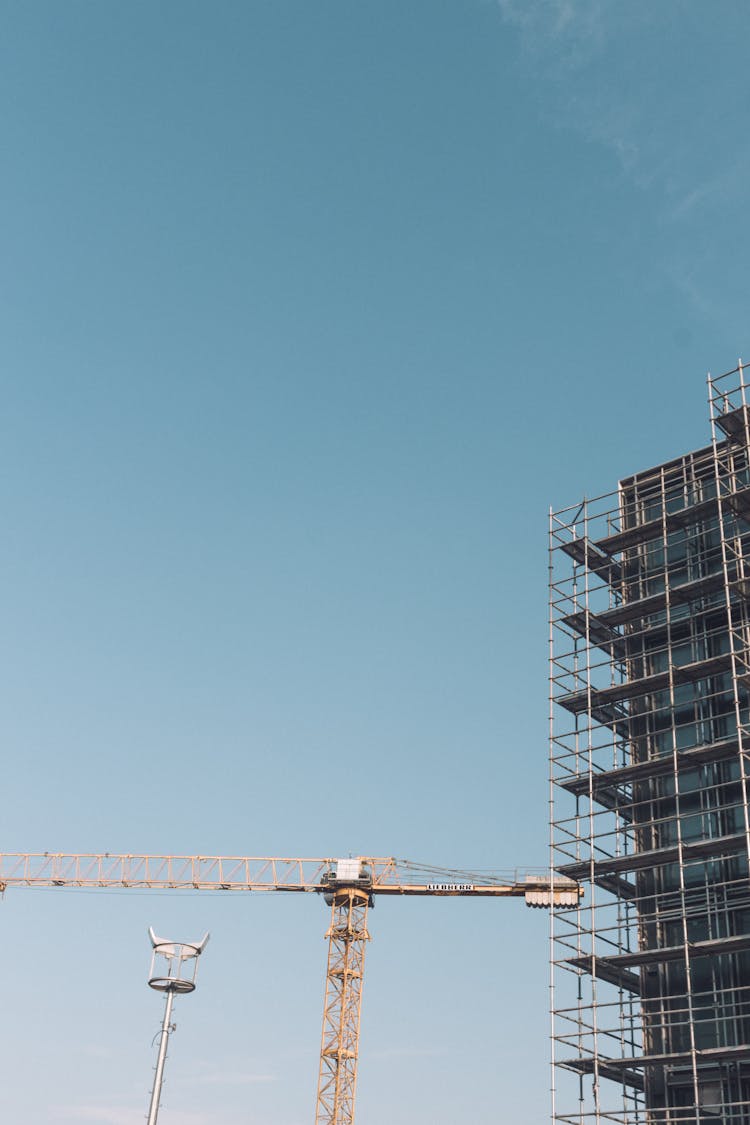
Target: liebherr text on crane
348, 887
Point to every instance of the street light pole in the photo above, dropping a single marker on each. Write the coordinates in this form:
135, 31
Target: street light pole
174, 966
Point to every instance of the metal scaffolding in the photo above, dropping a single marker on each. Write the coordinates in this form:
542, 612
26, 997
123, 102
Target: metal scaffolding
649, 788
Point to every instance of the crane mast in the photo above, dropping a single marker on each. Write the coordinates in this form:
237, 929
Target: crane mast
348, 887
339, 1049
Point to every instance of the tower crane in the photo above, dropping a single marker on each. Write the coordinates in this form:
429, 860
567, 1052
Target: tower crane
348, 886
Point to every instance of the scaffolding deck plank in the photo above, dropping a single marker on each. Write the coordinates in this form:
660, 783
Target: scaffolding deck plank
657, 857
583, 552
734, 423
638, 608
680, 1058
697, 588
618, 963
702, 669
597, 632
634, 610
603, 968
644, 532
625, 1070
646, 685
628, 537
655, 767
739, 502
605, 1070
616, 693
617, 885
694, 513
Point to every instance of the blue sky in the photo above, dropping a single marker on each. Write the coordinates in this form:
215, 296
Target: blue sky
308, 312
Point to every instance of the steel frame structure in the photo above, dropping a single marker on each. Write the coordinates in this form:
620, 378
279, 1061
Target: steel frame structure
347, 885
339, 1049
650, 788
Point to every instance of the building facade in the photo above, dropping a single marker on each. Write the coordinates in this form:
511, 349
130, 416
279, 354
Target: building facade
650, 788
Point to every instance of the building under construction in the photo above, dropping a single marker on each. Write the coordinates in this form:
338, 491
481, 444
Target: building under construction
650, 772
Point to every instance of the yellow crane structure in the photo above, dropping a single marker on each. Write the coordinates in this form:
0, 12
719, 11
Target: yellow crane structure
348, 887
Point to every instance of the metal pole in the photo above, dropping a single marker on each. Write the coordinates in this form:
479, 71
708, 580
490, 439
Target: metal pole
166, 1027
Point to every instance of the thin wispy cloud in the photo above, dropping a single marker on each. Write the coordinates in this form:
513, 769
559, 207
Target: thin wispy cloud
569, 30
726, 188
591, 52
565, 43
608, 72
